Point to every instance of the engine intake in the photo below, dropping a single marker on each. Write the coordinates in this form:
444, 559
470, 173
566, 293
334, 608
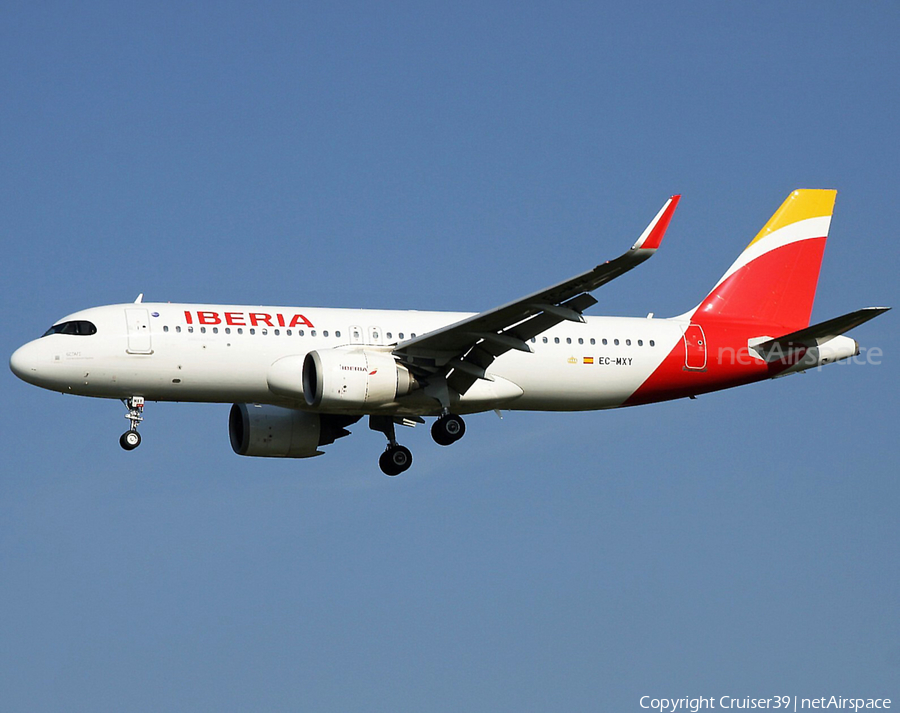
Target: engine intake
354, 378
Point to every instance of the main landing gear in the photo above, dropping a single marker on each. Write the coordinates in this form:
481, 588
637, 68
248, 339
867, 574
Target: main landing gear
448, 429
396, 459
131, 439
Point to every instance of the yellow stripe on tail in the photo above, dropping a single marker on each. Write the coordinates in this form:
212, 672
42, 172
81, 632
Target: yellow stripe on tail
799, 205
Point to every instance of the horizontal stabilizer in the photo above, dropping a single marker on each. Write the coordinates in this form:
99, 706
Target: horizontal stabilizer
816, 334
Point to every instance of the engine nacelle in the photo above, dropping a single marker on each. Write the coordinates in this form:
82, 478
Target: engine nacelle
354, 378
276, 432
285, 376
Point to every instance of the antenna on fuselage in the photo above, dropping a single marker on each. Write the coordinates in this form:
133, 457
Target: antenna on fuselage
139, 298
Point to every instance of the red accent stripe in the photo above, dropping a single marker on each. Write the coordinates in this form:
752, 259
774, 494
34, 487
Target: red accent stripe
728, 363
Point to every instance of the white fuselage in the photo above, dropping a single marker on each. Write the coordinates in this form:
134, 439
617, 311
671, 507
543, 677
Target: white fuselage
223, 353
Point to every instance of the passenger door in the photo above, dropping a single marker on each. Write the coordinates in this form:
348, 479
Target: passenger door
694, 348
138, 321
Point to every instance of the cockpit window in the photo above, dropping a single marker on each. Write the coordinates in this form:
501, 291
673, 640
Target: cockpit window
80, 327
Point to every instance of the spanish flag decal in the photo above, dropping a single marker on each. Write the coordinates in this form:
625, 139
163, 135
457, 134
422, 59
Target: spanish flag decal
589, 360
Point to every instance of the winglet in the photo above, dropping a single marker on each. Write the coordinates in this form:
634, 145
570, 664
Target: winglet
653, 235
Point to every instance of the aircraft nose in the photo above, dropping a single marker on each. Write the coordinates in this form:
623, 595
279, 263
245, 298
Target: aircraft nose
23, 363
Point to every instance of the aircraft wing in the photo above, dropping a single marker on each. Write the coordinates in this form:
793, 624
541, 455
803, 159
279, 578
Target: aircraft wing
462, 351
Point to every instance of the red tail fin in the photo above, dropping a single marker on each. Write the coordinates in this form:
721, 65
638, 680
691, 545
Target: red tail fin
773, 281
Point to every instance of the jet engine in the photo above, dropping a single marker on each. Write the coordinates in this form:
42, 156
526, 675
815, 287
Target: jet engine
273, 431
354, 378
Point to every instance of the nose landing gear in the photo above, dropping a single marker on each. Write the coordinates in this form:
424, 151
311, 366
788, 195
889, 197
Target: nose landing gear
131, 439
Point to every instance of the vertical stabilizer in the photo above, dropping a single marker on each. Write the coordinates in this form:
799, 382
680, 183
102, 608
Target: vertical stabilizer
773, 282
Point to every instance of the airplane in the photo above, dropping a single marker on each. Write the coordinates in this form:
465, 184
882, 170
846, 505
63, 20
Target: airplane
298, 378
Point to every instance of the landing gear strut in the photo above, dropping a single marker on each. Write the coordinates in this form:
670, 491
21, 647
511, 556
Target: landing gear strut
131, 439
448, 429
396, 458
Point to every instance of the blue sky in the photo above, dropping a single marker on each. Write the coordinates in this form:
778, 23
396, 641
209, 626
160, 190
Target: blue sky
445, 156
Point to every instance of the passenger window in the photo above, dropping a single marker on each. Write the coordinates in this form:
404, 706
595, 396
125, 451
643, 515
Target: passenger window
337, 334
593, 341
568, 340
252, 330
627, 342
652, 343
277, 332
545, 340
556, 340
215, 330
325, 333
202, 330
616, 342
605, 342
178, 329
166, 328
640, 342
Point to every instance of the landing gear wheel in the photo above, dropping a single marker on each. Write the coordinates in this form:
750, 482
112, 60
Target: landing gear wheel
448, 429
130, 440
395, 460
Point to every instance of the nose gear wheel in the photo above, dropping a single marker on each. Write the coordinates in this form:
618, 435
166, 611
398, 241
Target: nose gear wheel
131, 439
